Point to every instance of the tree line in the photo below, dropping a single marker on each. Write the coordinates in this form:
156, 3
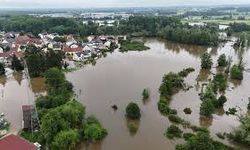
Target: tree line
169, 28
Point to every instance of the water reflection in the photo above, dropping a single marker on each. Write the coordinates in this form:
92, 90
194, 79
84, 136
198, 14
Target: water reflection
18, 77
206, 121
3, 80
204, 75
191, 49
133, 126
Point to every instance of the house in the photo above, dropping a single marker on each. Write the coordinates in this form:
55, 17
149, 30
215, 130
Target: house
71, 51
87, 54
70, 41
13, 142
107, 44
56, 46
22, 40
78, 56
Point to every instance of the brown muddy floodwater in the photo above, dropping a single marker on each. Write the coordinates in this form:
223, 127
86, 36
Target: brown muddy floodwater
119, 78
15, 92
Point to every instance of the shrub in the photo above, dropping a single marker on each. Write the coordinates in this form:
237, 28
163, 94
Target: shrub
198, 129
133, 111
222, 61
187, 111
241, 134
186, 136
173, 112
220, 135
66, 140
236, 72
222, 100
231, 111
175, 119
185, 72
207, 108
206, 61
163, 107
94, 132
145, 94
170, 83
202, 141
220, 81
173, 131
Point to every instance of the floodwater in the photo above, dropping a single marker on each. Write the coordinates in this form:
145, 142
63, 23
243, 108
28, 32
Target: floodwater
15, 92
120, 78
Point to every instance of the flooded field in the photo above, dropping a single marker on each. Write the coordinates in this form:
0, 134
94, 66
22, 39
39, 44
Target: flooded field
120, 78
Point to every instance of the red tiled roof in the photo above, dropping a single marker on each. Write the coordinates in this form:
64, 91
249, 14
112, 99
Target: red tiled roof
13, 142
11, 53
68, 49
22, 39
34, 41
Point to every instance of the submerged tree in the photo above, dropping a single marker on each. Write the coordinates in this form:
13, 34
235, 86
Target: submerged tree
206, 61
236, 72
222, 61
133, 111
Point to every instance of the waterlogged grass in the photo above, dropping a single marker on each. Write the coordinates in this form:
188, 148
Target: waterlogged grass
132, 46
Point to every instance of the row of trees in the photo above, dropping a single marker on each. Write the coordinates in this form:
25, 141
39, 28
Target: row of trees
236, 71
170, 28
38, 61
198, 36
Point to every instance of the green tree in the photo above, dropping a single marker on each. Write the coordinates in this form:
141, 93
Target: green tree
54, 59
207, 107
200, 141
16, 64
2, 70
55, 78
65, 140
236, 72
173, 131
52, 123
36, 61
222, 100
73, 112
206, 61
133, 111
222, 61
93, 131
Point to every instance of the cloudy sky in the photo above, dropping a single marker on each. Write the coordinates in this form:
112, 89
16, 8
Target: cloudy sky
111, 3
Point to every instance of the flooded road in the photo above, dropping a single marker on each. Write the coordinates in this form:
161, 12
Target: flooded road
15, 92
120, 78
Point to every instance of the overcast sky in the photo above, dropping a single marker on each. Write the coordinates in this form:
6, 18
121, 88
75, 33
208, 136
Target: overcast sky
111, 3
